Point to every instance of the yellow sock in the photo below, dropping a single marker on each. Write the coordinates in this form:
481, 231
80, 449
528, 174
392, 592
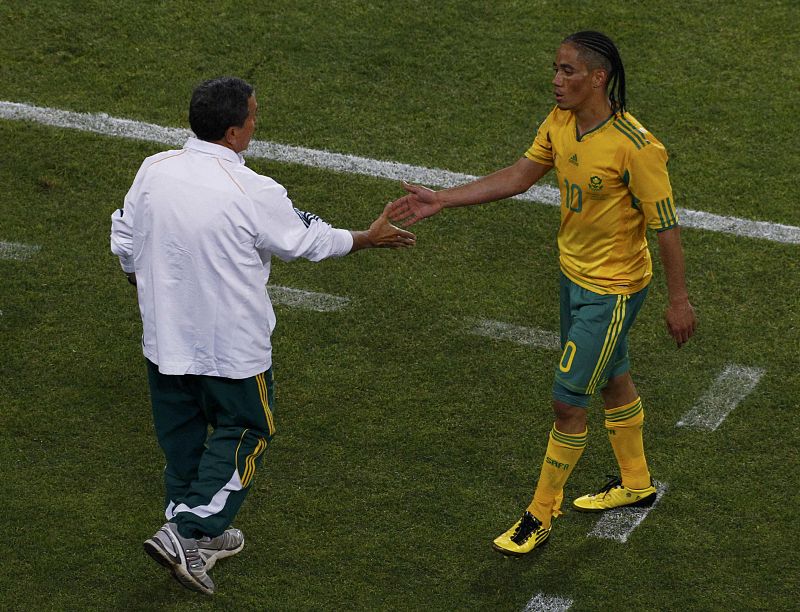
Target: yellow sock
624, 425
563, 452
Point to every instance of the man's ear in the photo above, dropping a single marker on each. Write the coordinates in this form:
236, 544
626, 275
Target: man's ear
599, 78
232, 135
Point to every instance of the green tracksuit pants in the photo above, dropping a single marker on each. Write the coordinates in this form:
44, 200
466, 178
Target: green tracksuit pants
213, 432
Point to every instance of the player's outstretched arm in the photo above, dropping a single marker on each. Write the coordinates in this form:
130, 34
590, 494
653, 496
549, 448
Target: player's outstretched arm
679, 315
382, 234
422, 202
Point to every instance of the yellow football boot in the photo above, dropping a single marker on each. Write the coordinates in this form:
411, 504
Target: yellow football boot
615, 495
526, 534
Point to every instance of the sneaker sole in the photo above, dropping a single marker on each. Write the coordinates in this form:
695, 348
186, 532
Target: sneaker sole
159, 555
183, 577
645, 502
212, 559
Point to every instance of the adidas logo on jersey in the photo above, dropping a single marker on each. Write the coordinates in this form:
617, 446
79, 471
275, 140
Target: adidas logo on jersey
574, 159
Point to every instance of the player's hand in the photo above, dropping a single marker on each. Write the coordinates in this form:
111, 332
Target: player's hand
681, 321
419, 204
383, 234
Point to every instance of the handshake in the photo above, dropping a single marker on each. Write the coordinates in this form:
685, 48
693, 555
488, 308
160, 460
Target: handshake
420, 203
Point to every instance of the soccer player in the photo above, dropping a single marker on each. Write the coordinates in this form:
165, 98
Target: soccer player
612, 174
195, 236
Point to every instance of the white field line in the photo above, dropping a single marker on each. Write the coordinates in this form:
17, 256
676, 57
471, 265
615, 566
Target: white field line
729, 389
619, 524
308, 300
544, 603
531, 336
747, 228
15, 250
100, 123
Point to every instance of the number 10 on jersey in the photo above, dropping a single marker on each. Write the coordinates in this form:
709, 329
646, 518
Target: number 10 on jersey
574, 196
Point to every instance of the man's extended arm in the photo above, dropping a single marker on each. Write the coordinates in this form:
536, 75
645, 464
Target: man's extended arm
422, 202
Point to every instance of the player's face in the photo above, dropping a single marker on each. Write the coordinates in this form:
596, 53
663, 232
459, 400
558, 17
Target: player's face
573, 81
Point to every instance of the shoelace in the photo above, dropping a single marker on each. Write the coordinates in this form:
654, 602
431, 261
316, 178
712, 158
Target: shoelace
526, 527
193, 558
613, 482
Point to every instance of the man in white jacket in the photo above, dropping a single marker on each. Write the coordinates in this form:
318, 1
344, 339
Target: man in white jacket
195, 236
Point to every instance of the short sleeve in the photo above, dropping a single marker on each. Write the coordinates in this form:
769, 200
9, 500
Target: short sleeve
541, 150
648, 181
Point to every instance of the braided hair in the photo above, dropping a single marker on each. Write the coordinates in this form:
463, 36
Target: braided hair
599, 51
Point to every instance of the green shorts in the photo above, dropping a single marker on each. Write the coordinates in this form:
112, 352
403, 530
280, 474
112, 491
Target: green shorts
594, 337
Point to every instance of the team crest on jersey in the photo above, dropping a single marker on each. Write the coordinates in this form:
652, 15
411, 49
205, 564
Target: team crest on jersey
595, 183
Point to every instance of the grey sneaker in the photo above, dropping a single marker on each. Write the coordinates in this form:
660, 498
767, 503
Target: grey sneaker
182, 557
225, 545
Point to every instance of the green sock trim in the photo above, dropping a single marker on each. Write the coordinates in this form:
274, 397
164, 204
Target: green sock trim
624, 415
571, 440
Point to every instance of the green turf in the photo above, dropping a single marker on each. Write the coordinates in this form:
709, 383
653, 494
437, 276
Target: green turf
405, 444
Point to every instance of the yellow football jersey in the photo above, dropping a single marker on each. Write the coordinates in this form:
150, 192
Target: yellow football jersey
614, 184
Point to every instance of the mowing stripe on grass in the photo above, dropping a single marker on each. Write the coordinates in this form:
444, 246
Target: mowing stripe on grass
309, 300
544, 603
729, 389
15, 250
619, 524
531, 336
101, 123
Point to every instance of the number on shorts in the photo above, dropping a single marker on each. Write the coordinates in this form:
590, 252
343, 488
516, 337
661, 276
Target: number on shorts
567, 356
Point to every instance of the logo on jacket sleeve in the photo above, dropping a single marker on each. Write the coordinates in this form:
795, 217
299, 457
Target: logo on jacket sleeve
306, 217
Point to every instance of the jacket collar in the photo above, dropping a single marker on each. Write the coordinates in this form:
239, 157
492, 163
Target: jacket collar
210, 148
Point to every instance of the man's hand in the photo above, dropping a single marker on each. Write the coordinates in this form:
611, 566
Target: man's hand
382, 234
419, 204
681, 321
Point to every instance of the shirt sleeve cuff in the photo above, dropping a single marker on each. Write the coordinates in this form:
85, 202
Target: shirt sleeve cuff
127, 265
342, 242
